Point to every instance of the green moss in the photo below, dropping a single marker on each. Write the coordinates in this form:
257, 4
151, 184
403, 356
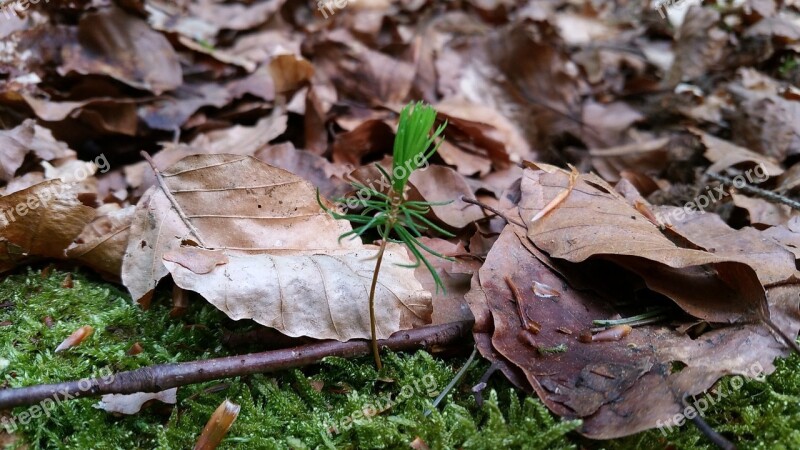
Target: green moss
337, 404
322, 406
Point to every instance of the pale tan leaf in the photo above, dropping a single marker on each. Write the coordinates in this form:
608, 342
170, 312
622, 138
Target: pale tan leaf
318, 294
725, 154
101, 245
133, 403
253, 241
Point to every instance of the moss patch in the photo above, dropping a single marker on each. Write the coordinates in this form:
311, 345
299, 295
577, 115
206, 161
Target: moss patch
337, 404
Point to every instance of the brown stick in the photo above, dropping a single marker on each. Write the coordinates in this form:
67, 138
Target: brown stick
166, 376
496, 211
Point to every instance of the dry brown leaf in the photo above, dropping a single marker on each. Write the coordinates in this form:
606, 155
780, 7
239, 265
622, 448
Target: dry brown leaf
242, 140
262, 227
594, 221
40, 222
725, 154
114, 43
371, 136
360, 73
432, 184
773, 264
327, 176
318, 294
649, 156
700, 45
23, 139
619, 387
103, 241
764, 213
520, 71
766, 123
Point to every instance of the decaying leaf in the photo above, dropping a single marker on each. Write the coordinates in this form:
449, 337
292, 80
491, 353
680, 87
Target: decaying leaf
103, 241
618, 386
594, 221
28, 137
114, 43
40, 222
133, 403
214, 219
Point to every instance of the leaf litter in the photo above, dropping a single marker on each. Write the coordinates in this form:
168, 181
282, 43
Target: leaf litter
586, 122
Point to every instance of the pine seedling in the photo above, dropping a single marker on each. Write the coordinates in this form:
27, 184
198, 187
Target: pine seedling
395, 218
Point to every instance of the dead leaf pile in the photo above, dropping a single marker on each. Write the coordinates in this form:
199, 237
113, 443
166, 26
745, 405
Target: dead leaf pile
246, 108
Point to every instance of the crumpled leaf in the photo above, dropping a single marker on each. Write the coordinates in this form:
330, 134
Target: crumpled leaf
617, 388
115, 43
773, 264
594, 221
215, 216
53, 217
102, 243
725, 154
23, 139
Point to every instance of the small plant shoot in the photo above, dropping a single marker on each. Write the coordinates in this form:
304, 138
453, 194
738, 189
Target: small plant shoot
395, 218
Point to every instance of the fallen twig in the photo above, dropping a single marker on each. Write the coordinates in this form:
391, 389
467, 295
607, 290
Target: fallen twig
496, 211
712, 434
763, 193
161, 377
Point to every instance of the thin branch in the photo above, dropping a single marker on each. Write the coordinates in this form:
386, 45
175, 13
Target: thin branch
791, 343
712, 435
166, 376
454, 381
492, 209
763, 193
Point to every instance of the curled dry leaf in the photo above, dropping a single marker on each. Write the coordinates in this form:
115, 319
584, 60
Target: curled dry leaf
258, 246
773, 264
103, 241
133, 403
23, 139
114, 43
75, 339
725, 154
621, 383
40, 222
218, 425
593, 221
763, 213
649, 156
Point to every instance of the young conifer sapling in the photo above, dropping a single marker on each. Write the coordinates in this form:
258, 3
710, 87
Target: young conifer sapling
395, 218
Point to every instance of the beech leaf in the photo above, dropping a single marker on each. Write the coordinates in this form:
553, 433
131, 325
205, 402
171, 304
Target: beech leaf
253, 241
